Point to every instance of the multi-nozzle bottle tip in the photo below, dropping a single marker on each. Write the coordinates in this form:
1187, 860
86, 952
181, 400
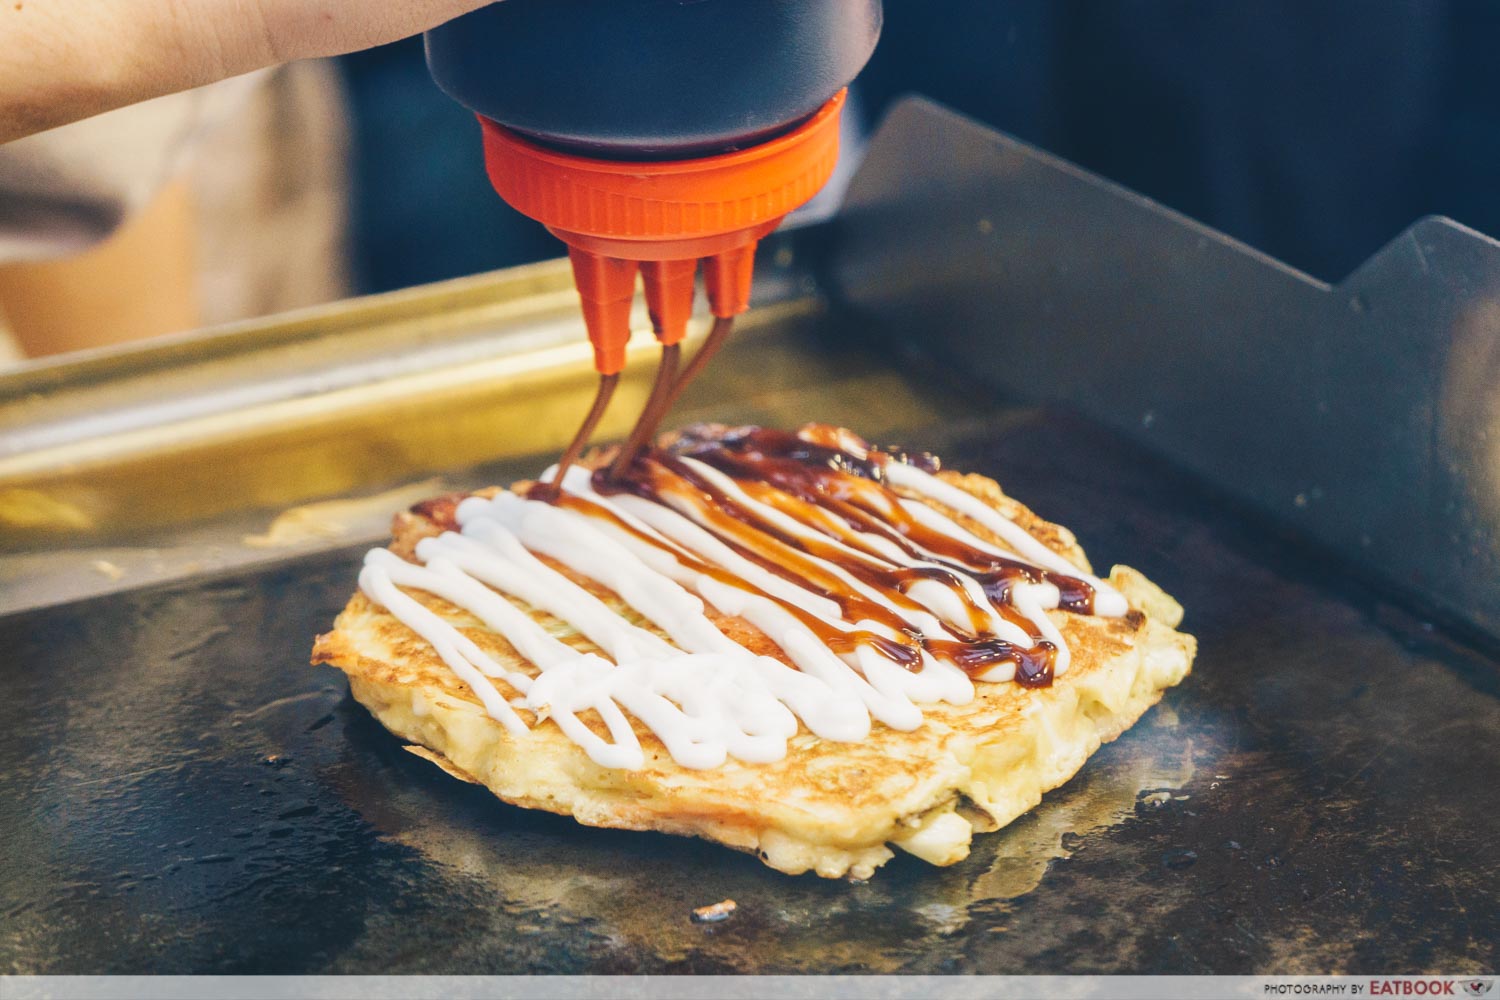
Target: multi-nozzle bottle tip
659, 220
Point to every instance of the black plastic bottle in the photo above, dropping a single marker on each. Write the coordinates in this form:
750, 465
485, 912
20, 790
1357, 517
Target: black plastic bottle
652, 79
655, 137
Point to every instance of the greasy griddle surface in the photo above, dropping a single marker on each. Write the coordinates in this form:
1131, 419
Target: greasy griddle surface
179, 792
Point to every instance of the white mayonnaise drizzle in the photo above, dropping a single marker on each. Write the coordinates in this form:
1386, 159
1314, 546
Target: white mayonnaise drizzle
1108, 602
703, 695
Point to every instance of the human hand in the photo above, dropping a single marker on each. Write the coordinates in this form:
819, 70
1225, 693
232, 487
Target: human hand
69, 59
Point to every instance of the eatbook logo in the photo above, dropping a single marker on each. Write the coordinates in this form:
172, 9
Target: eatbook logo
1478, 987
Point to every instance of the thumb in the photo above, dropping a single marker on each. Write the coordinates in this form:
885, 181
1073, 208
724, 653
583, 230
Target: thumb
69, 59
301, 29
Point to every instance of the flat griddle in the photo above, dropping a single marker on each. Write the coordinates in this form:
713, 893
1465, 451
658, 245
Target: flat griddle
181, 793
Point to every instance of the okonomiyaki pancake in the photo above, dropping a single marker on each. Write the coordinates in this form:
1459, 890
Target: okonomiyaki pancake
793, 644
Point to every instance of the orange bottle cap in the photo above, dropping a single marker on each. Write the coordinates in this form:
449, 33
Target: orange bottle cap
664, 201
715, 208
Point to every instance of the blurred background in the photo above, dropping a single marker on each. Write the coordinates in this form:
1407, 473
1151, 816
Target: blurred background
1314, 131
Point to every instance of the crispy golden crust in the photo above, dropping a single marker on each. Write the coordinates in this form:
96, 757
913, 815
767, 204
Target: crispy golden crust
827, 807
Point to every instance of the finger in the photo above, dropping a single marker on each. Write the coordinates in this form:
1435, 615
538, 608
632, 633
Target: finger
301, 29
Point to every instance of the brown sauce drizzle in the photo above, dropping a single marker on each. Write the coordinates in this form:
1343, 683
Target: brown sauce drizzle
441, 511
1035, 666
835, 484
550, 491
669, 385
841, 493
854, 489
663, 392
837, 640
